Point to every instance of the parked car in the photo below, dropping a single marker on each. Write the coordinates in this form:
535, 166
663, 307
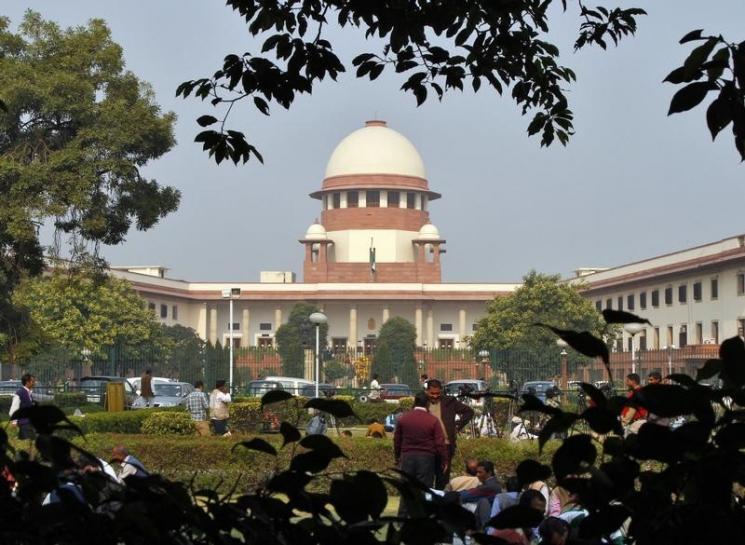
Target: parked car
167, 394
257, 388
391, 393
324, 390
41, 393
135, 382
467, 386
538, 388
291, 384
94, 389
9, 387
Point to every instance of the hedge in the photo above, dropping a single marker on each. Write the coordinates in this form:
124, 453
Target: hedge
70, 399
119, 422
211, 461
169, 423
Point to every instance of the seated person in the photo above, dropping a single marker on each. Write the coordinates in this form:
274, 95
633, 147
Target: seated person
375, 429
553, 531
529, 498
467, 481
506, 499
482, 495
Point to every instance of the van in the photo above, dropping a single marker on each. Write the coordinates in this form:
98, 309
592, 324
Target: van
292, 385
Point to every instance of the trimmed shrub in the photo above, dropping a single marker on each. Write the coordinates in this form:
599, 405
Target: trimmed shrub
121, 422
169, 424
70, 399
406, 403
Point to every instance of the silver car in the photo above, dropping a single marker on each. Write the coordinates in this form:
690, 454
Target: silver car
167, 394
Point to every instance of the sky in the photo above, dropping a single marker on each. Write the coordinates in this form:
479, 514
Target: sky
633, 183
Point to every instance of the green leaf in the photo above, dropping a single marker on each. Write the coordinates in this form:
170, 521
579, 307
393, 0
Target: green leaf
257, 444
206, 120
718, 116
692, 35
690, 96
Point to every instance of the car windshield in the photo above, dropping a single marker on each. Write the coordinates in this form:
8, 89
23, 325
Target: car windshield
538, 386
93, 385
263, 387
456, 387
170, 390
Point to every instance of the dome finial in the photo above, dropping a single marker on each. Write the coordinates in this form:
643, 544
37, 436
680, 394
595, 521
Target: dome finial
375, 123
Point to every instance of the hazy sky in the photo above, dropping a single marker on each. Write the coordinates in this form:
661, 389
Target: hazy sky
631, 184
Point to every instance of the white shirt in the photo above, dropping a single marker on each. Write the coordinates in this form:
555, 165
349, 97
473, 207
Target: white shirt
15, 404
374, 389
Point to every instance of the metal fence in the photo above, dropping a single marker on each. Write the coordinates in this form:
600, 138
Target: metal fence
353, 369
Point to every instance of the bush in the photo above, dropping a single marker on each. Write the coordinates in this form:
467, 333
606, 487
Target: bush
120, 422
406, 403
169, 424
70, 399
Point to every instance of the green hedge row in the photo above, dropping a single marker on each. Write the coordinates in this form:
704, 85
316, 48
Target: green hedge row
119, 422
211, 461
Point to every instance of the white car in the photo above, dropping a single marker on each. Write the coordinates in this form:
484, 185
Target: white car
135, 382
467, 386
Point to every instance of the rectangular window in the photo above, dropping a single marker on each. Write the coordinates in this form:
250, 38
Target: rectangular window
630, 344
683, 293
620, 303
336, 198
174, 312
373, 199
619, 344
339, 344
683, 336
353, 199
699, 333
697, 291
740, 283
655, 298
669, 335
656, 339
236, 326
643, 300
265, 326
643, 339
715, 331
446, 327
151, 307
164, 311
630, 302
394, 199
609, 303
741, 327
598, 305
411, 200
668, 296
714, 288
474, 327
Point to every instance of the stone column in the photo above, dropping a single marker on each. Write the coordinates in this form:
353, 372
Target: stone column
213, 324
352, 342
277, 318
430, 328
386, 315
202, 321
462, 328
418, 323
245, 329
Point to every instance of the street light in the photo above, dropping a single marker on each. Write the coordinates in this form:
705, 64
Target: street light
230, 293
632, 329
318, 318
669, 350
561, 343
484, 355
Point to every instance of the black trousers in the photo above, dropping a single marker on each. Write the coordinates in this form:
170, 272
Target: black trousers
420, 466
26, 431
441, 479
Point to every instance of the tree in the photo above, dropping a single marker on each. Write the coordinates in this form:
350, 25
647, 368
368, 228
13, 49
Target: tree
87, 312
297, 335
510, 322
75, 129
394, 352
184, 350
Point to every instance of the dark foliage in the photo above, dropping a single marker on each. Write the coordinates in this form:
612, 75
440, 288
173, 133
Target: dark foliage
441, 46
690, 494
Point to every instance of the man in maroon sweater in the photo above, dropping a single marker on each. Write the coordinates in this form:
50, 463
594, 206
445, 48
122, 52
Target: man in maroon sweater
418, 441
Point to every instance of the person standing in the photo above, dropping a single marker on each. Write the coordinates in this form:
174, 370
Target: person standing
130, 466
198, 405
633, 416
22, 399
146, 387
446, 408
219, 411
419, 442
374, 388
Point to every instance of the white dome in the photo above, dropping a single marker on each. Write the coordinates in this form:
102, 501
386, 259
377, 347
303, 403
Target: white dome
316, 232
375, 149
429, 232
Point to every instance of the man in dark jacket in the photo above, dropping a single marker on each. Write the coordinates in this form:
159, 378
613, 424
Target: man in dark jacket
445, 408
418, 442
23, 399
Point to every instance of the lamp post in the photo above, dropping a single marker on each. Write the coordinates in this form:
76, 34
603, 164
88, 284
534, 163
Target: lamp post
318, 318
632, 329
669, 350
484, 355
564, 362
231, 293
